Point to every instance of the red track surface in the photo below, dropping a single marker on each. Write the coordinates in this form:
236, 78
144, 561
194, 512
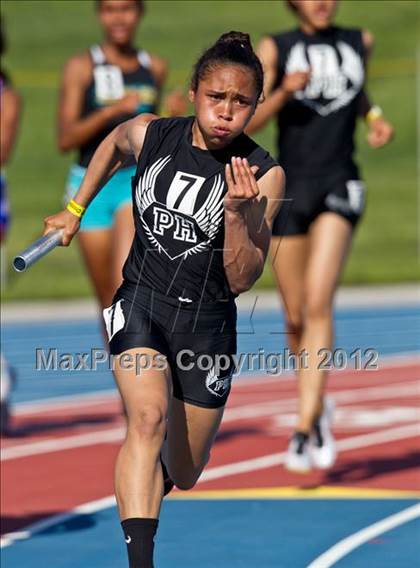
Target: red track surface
257, 423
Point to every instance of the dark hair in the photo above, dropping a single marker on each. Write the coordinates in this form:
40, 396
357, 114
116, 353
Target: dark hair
291, 6
232, 47
140, 5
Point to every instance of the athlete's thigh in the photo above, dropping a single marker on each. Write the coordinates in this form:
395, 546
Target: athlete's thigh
142, 383
122, 238
330, 240
289, 256
96, 246
191, 432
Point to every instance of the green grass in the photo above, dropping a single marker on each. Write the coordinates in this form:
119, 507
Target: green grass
43, 34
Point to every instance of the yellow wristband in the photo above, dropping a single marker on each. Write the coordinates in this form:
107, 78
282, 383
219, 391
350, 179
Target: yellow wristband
75, 208
374, 113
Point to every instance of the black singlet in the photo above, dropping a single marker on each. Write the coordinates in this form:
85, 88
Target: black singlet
178, 211
316, 126
108, 85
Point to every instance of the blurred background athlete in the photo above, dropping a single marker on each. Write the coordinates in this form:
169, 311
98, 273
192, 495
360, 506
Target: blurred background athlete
10, 111
314, 86
107, 85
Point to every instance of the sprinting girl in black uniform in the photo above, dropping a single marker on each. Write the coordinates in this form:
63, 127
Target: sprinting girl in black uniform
204, 197
314, 81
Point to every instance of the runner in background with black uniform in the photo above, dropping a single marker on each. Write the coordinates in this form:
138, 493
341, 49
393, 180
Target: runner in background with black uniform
314, 86
205, 196
101, 88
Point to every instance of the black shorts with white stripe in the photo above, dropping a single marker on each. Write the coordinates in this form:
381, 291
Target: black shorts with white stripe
307, 197
198, 340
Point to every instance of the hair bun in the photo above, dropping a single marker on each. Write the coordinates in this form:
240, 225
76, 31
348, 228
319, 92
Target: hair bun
232, 48
237, 38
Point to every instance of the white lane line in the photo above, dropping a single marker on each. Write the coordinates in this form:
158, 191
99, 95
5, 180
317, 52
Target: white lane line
85, 509
65, 443
347, 545
242, 412
103, 397
255, 410
217, 472
63, 402
346, 444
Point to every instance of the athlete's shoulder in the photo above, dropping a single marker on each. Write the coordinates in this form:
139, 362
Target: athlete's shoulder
286, 38
159, 68
350, 35
255, 154
165, 126
78, 67
286, 35
354, 38
165, 132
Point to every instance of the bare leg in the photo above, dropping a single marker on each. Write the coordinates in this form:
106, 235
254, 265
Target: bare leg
289, 257
191, 432
105, 251
325, 263
96, 248
138, 472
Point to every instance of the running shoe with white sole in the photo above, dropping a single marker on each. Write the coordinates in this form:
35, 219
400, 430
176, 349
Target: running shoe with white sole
322, 447
298, 458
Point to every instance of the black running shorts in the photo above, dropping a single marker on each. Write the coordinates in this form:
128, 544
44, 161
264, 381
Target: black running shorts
307, 197
198, 340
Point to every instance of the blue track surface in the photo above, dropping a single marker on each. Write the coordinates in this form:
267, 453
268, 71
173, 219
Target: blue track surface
390, 331
250, 533
229, 534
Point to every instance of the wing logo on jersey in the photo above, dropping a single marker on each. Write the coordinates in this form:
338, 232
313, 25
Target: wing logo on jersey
217, 385
173, 227
333, 84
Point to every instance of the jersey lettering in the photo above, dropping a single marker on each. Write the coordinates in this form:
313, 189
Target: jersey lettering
109, 83
183, 192
333, 83
175, 228
184, 229
163, 220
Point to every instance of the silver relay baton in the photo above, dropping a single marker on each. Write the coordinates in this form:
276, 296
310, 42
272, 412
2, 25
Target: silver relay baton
37, 250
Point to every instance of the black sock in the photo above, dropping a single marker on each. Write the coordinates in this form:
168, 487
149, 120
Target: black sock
139, 535
301, 440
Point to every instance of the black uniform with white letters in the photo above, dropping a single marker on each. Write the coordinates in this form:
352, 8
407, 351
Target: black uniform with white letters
175, 295
316, 127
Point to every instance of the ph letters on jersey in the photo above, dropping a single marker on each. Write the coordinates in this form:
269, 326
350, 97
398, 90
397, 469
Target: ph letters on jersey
336, 75
177, 228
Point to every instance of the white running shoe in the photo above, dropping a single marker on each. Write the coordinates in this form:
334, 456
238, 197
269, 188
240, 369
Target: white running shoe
322, 444
298, 458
